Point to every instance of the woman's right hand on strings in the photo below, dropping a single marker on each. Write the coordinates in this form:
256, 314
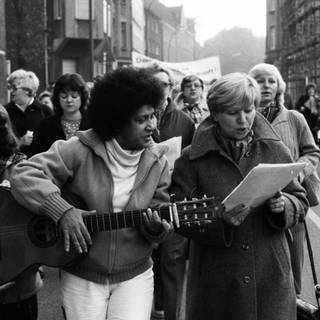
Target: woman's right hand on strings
74, 229
235, 216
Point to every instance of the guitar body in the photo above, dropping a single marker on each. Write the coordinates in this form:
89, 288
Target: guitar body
27, 239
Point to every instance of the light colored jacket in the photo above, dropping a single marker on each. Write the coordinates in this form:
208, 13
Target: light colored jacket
78, 169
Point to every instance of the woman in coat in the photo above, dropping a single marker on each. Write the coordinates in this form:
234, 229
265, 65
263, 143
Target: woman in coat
293, 130
239, 265
115, 167
70, 98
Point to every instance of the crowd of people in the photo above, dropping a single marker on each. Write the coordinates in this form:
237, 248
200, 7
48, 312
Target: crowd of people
76, 152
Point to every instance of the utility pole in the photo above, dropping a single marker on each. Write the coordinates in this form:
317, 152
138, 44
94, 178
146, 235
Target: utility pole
91, 41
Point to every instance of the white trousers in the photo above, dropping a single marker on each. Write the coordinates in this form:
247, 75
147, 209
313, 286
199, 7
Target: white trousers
128, 300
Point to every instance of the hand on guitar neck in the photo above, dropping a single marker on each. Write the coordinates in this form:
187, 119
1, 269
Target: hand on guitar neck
154, 224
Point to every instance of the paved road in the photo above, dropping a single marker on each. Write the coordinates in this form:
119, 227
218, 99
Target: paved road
49, 303
313, 222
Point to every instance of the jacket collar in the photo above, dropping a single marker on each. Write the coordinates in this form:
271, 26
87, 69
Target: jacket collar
171, 106
204, 141
91, 139
282, 115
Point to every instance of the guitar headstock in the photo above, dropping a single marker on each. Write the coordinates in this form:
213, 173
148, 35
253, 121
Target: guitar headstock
198, 212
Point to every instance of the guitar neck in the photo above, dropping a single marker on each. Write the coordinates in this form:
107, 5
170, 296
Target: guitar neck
119, 220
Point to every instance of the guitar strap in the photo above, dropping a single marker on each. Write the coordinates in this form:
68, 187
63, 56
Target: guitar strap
313, 269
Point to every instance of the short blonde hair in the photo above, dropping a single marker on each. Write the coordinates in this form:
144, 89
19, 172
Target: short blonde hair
261, 68
231, 89
24, 79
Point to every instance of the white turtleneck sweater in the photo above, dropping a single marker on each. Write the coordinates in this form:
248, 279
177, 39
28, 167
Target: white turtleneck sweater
123, 165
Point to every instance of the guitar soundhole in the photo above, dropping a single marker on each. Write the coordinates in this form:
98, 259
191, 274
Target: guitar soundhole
43, 232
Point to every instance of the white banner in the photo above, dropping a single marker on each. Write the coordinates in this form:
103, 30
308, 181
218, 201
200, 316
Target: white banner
207, 69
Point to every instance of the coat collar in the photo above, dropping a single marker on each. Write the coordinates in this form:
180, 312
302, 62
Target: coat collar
204, 140
91, 139
282, 115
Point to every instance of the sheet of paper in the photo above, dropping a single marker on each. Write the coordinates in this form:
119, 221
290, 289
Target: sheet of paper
174, 150
262, 183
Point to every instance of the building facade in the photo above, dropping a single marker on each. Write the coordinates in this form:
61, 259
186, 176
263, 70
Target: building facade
169, 35
293, 42
3, 58
52, 37
72, 31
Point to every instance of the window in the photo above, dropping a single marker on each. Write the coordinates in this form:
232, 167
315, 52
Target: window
123, 7
157, 49
106, 18
272, 5
272, 38
123, 35
57, 9
82, 9
69, 66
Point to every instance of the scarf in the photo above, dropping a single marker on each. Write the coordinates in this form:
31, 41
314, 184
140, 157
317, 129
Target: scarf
270, 111
123, 165
236, 149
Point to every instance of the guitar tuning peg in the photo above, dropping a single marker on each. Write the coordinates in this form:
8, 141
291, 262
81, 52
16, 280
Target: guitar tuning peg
204, 196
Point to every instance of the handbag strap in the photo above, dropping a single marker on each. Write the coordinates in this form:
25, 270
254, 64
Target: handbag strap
313, 269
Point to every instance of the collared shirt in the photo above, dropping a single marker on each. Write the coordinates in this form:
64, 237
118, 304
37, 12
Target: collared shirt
196, 112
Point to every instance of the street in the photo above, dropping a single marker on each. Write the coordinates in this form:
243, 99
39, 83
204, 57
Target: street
313, 222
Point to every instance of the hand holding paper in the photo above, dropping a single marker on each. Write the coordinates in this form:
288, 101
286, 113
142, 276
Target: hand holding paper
262, 183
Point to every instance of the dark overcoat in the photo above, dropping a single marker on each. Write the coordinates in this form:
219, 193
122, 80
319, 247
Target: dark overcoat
238, 273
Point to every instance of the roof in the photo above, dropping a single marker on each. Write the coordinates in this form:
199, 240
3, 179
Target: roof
171, 15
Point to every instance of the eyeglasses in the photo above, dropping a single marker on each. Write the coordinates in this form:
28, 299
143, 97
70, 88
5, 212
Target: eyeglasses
13, 88
72, 94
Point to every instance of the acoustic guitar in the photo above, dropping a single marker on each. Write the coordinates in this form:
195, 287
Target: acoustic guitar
28, 239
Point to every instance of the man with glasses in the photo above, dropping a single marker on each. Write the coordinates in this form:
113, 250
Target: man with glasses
24, 110
190, 100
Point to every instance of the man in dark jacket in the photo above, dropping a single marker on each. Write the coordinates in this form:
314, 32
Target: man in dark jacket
24, 110
170, 256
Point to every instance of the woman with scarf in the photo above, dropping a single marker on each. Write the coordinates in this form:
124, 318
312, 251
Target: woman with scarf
239, 264
70, 99
294, 131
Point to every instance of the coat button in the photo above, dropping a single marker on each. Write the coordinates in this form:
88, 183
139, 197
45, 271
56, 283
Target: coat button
245, 247
246, 279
